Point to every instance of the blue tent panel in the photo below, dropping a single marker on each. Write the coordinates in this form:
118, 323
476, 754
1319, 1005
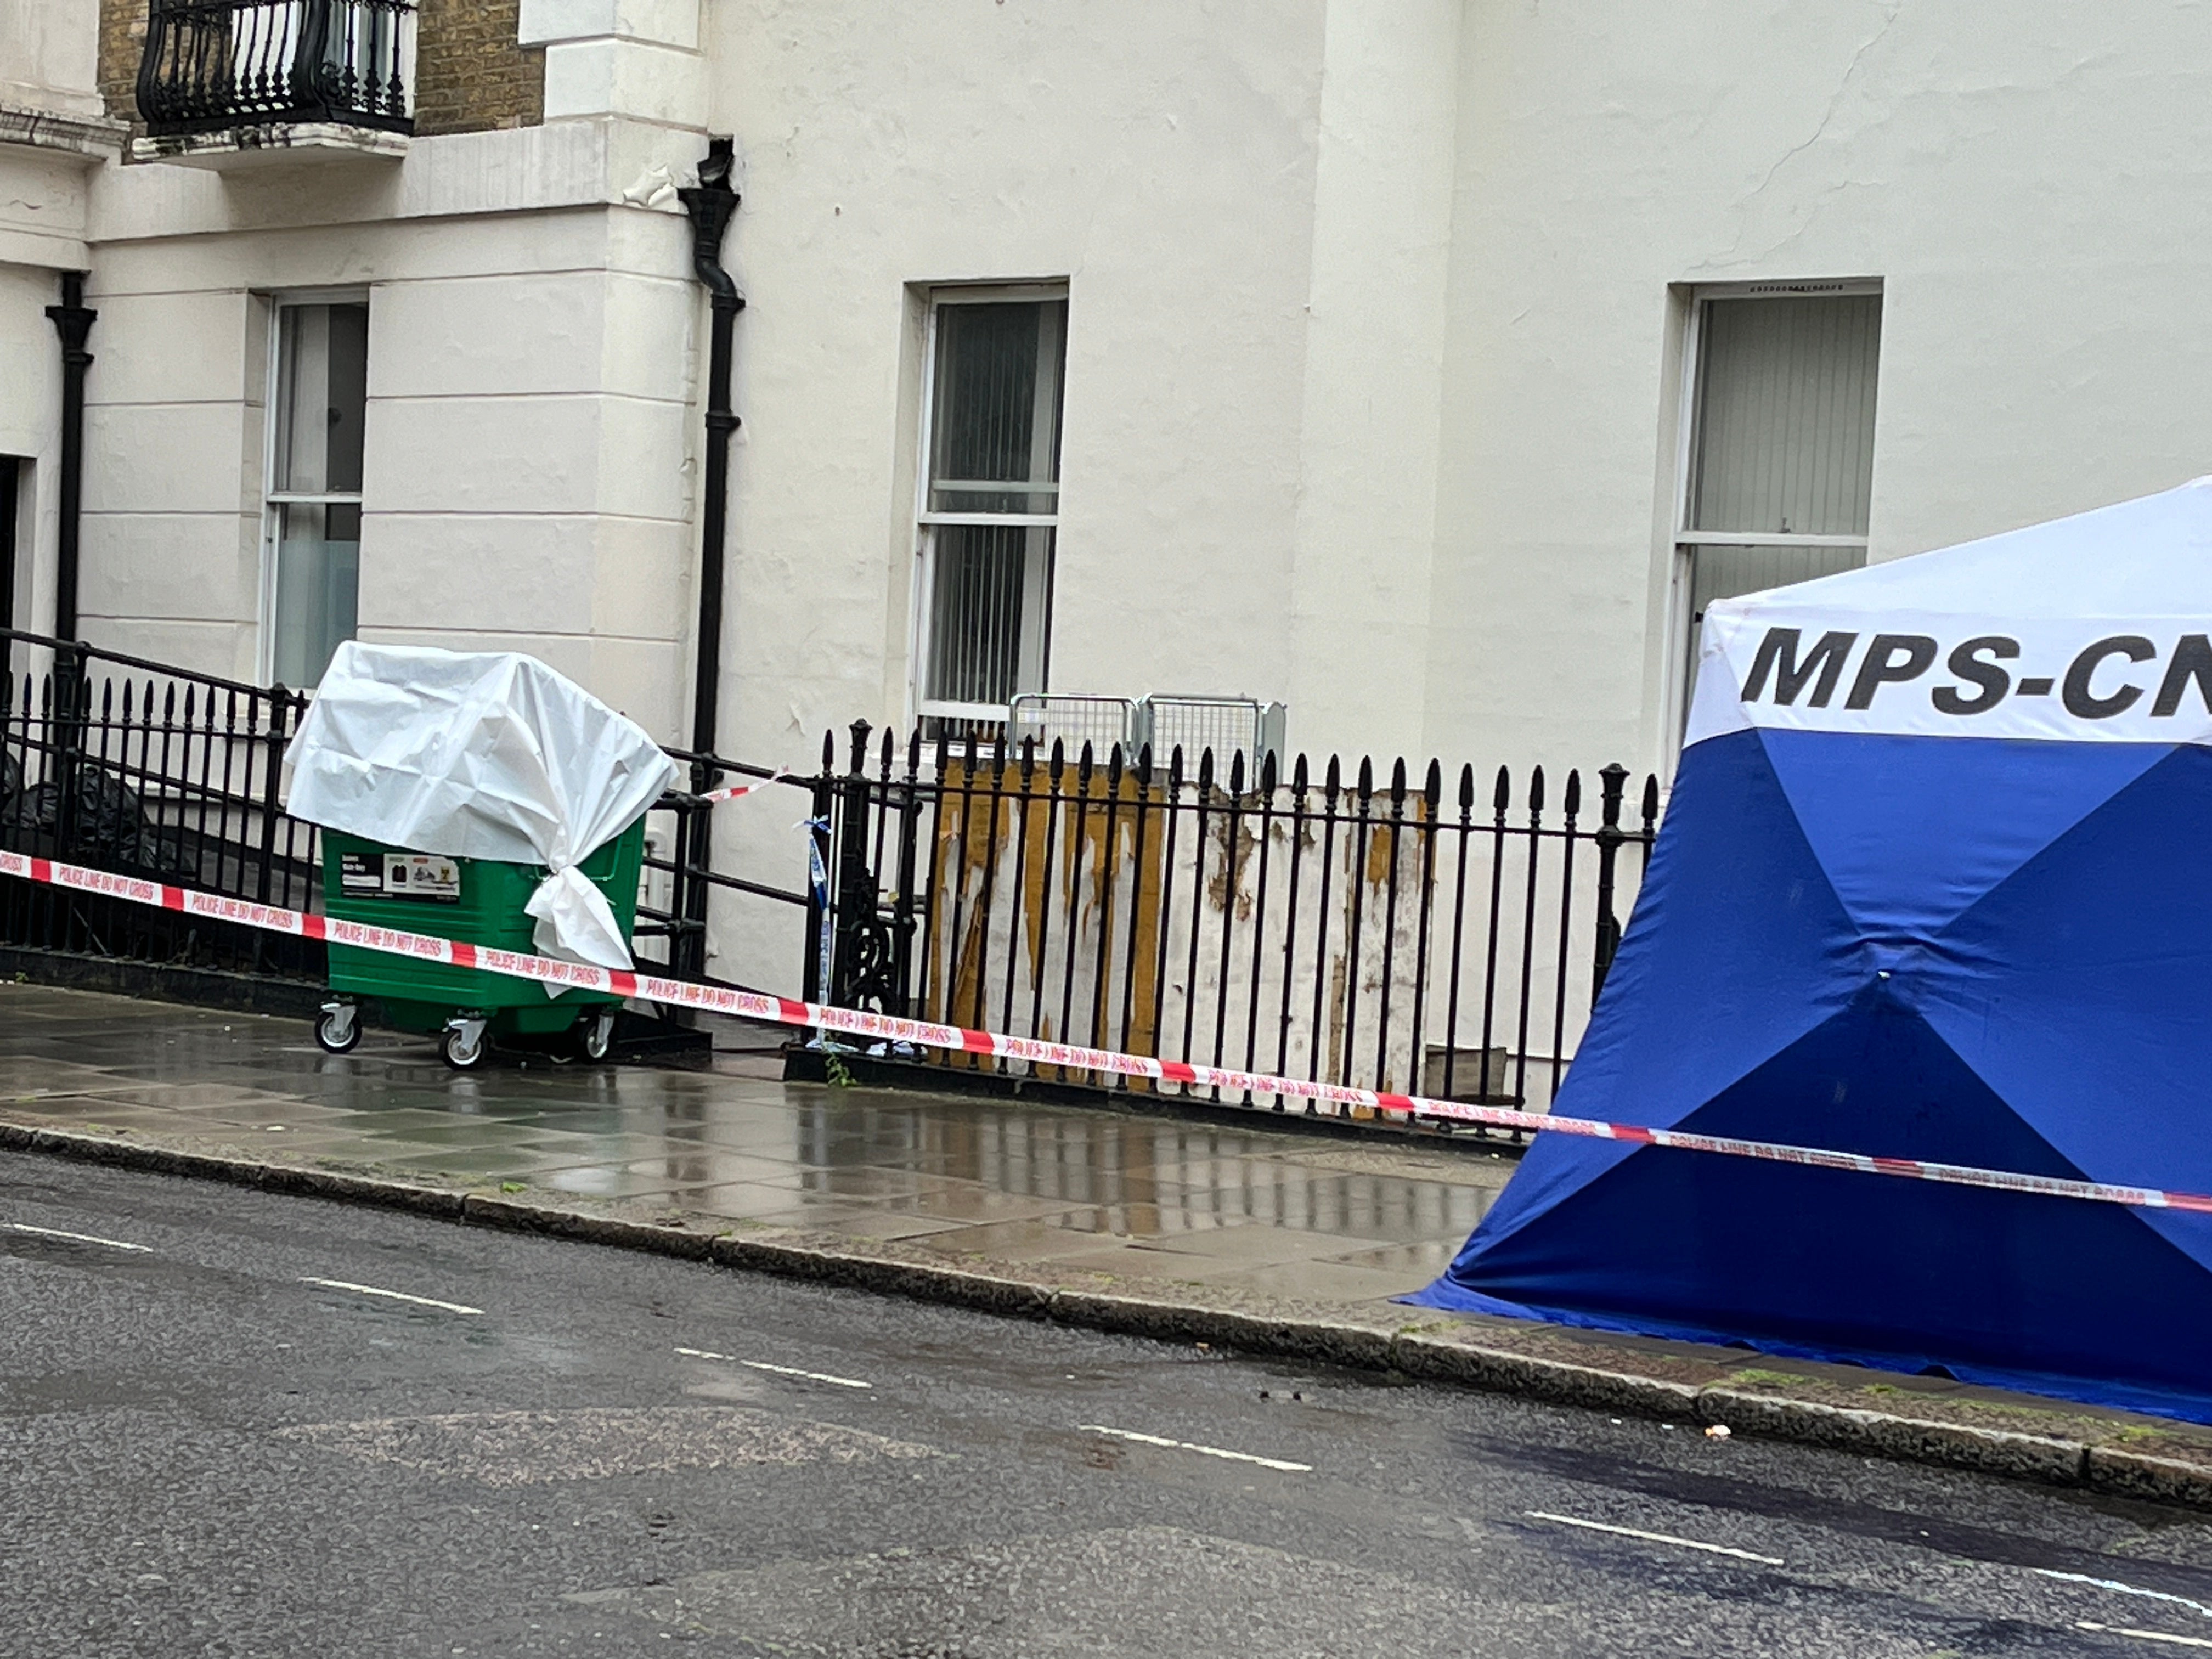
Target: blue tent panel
2094, 1014
2034, 998
1708, 979
1999, 803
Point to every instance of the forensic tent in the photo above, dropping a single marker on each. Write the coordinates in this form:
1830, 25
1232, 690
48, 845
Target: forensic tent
1935, 883
480, 755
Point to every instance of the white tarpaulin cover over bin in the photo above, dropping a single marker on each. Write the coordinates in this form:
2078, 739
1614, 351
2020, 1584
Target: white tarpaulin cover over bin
479, 754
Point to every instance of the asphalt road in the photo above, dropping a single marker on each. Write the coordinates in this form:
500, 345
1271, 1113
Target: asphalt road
221, 1434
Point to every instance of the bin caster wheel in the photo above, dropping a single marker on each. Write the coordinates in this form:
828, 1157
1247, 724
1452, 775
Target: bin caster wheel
599, 1031
338, 1031
463, 1046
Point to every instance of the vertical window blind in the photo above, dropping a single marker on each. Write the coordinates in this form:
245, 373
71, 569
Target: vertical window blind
991, 503
1785, 419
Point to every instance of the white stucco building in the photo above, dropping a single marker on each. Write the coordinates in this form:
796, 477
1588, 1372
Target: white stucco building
1422, 365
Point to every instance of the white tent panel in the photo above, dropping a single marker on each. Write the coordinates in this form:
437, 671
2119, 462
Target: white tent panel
2089, 628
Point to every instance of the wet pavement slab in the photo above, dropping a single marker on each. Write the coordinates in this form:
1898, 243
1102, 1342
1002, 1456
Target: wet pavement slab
1112, 1197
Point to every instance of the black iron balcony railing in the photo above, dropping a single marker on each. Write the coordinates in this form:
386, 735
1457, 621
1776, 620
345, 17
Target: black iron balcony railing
213, 66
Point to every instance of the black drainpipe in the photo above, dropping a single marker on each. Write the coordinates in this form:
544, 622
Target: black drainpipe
710, 203
73, 321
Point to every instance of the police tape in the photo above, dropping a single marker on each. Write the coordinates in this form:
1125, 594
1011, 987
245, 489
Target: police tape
739, 791
1069, 1057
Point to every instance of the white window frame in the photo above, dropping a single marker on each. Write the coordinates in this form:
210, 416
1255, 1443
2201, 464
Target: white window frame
272, 499
1685, 453
936, 297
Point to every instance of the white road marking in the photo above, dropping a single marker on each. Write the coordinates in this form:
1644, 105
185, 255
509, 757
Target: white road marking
82, 1239
1657, 1537
1193, 1446
2143, 1635
2124, 1590
781, 1370
397, 1295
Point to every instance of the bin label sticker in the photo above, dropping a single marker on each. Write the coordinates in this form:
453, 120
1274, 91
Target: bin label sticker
360, 875
422, 876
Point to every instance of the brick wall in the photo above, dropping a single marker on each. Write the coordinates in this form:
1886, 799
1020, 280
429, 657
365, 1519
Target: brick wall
469, 73
122, 36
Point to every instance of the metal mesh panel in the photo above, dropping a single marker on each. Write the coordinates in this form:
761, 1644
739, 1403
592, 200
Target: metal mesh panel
1072, 721
1226, 725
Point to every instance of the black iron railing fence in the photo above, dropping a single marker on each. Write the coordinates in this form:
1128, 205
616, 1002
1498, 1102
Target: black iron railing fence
1441, 934
213, 66
698, 911
1445, 936
146, 768
132, 765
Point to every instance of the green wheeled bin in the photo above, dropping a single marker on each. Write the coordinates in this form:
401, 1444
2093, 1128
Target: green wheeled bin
476, 900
